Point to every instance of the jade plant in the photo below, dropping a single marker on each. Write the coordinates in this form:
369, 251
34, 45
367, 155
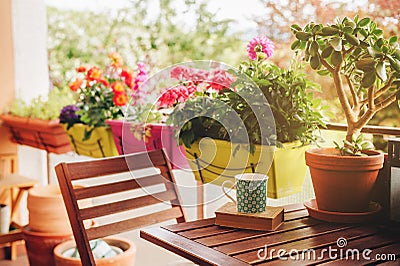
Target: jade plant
364, 65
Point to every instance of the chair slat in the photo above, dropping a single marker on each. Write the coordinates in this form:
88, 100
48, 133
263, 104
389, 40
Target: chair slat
120, 186
81, 170
126, 205
122, 226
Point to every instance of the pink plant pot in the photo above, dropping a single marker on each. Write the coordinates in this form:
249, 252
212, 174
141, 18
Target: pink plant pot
162, 136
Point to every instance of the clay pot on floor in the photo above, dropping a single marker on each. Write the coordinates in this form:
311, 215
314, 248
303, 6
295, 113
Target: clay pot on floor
127, 258
47, 212
39, 246
343, 183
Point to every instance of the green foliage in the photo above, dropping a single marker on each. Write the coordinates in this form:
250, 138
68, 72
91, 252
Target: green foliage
290, 97
355, 147
355, 45
43, 107
364, 66
82, 36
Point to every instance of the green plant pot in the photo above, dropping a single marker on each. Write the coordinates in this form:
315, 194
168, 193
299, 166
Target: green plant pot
100, 144
216, 163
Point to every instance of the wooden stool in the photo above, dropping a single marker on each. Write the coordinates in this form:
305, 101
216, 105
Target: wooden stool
12, 188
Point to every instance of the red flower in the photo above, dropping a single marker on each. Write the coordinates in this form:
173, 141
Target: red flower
94, 73
173, 95
127, 75
75, 85
104, 82
118, 87
81, 69
120, 99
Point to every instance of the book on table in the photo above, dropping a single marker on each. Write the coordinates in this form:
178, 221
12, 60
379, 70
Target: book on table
269, 220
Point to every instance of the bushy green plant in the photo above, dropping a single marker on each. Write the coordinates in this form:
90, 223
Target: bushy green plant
290, 97
43, 107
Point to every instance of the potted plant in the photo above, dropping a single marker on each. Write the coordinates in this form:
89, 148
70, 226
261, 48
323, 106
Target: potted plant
365, 69
36, 124
255, 97
100, 96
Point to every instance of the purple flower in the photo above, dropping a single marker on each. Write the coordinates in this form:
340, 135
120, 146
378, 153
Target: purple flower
68, 114
260, 45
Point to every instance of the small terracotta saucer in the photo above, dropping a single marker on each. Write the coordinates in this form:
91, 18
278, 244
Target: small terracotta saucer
342, 217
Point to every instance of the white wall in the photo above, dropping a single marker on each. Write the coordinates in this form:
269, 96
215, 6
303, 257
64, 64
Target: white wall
31, 71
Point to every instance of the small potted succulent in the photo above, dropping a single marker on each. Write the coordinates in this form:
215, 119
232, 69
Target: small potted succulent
36, 124
101, 95
365, 69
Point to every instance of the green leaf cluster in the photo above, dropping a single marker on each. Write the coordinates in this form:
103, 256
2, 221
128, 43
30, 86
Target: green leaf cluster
355, 46
290, 97
355, 147
46, 107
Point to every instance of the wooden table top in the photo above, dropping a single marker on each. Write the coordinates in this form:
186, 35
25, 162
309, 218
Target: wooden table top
205, 243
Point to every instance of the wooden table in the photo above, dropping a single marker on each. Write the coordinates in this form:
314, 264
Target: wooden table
207, 244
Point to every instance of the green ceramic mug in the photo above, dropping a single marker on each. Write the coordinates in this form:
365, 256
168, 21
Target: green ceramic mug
251, 192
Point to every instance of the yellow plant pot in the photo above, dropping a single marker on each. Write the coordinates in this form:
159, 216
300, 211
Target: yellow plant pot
214, 161
100, 144
288, 170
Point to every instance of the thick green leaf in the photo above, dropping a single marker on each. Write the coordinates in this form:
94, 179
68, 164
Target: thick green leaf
350, 24
295, 28
366, 64
347, 29
364, 22
303, 36
337, 58
295, 45
327, 31
393, 39
381, 71
314, 47
336, 43
377, 32
369, 79
316, 28
352, 39
323, 72
327, 52
315, 62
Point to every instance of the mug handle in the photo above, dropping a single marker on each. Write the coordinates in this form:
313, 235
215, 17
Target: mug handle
225, 192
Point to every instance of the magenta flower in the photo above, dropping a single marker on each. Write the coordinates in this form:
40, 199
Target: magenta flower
173, 96
260, 44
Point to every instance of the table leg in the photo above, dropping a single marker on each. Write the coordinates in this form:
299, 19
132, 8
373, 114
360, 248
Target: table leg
200, 200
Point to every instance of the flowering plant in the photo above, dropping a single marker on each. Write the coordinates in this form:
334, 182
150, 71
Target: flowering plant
103, 94
246, 108
287, 91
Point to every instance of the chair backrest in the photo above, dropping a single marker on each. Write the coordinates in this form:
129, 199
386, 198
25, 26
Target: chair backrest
143, 176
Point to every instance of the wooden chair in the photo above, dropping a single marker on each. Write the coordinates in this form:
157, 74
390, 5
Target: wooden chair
139, 175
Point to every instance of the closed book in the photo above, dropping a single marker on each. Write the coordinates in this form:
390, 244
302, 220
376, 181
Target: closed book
269, 220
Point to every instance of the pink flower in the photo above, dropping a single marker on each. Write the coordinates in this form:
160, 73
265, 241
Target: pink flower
180, 72
220, 80
260, 44
140, 77
173, 95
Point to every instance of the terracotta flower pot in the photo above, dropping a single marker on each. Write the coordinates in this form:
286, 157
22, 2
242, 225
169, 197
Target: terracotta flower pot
40, 246
127, 258
47, 211
47, 135
343, 183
